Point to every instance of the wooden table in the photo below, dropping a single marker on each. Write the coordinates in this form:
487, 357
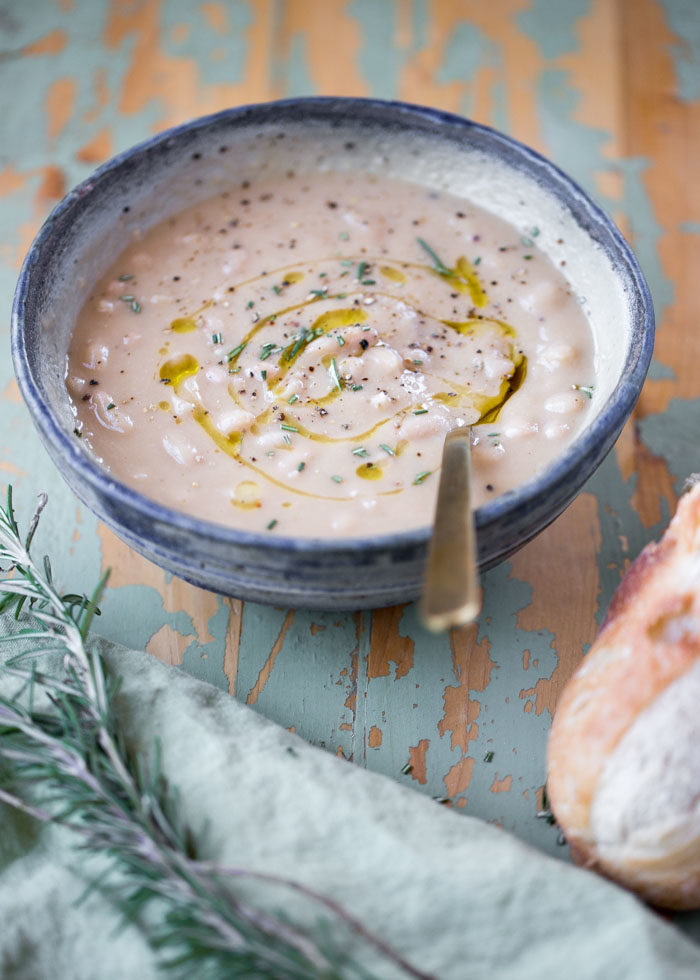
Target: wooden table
610, 90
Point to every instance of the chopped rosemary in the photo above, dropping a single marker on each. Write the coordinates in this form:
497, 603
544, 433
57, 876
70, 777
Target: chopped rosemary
286, 427
286, 438
361, 269
368, 282
407, 769
420, 411
263, 374
528, 257
301, 466
273, 523
357, 387
387, 449
587, 390
360, 451
333, 372
216, 338
477, 260
292, 399
337, 479
233, 354
291, 352
527, 242
276, 290
422, 477
304, 338
343, 236
488, 757
347, 262
111, 406
250, 304
341, 340
266, 350
319, 293
437, 262
133, 303
126, 276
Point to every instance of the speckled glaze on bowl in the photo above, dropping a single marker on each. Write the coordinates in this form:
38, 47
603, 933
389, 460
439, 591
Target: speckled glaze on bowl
92, 225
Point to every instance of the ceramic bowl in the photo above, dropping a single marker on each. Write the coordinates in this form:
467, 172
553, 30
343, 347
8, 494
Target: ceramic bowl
144, 185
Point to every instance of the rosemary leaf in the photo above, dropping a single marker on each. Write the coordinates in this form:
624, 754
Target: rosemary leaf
440, 266
334, 376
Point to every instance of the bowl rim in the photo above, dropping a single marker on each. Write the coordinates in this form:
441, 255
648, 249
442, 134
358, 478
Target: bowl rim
609, 420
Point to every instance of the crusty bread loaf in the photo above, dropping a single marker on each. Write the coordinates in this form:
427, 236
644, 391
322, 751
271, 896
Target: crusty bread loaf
624, 750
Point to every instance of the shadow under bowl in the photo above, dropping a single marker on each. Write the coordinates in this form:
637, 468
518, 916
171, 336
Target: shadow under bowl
146, 184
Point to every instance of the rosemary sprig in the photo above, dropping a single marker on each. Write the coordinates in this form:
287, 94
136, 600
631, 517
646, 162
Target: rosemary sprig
67, 762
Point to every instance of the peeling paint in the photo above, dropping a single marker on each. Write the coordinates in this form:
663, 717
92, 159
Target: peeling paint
50, 44
266, 670
417, 755
501, 785
60, 105
384, 648
684, 20
98, 149
458, 778
552, 24
374, 739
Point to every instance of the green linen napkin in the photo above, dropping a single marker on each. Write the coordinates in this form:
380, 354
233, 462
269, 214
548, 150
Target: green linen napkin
459, 898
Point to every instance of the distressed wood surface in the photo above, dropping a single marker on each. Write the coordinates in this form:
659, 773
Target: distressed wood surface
610, 90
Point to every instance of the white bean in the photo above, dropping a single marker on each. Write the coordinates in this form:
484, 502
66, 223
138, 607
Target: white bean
233, 420
565, 403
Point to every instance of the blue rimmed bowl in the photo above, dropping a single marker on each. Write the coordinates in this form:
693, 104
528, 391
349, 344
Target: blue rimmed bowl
145, 185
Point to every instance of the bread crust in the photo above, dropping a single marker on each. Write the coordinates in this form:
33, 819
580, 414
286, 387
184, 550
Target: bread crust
650, 638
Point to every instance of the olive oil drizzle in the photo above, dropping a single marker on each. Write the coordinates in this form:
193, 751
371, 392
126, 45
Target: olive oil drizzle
187, 324
465, 279
296, 271
461, 278
178, 369
322, 325
231, 445
513, 383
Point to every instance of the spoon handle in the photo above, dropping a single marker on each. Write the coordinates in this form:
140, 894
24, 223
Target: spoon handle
451, 595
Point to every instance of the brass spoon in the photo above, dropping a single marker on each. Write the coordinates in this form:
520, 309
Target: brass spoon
451, 595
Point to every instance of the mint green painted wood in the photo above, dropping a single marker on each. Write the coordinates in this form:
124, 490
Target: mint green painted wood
683, 19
